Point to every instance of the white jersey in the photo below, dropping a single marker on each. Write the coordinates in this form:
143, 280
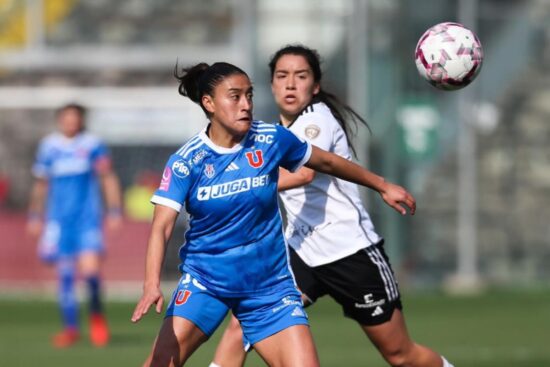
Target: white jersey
326, 220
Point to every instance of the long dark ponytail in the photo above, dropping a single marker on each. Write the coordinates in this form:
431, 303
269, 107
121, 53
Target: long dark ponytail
342, 112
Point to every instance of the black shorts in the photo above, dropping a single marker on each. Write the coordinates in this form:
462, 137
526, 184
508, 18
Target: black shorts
363, 283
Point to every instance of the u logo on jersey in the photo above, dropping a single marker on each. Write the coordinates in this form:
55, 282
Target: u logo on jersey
182, 297
255, 159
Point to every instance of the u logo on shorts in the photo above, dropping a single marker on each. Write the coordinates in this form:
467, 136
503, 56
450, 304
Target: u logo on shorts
182, 297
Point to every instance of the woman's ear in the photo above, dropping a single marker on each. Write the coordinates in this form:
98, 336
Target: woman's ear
208, 103
316, 89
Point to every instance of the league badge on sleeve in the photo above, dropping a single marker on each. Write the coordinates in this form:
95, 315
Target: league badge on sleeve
166, 178
312, 131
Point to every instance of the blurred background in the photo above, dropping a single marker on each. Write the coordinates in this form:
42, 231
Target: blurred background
477, 160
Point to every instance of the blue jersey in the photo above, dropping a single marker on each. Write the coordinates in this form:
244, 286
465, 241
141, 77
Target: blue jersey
69, 166
234, 244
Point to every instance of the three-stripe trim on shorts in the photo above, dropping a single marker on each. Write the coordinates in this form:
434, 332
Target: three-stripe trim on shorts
385, 272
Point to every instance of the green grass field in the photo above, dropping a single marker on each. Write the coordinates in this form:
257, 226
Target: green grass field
498, 329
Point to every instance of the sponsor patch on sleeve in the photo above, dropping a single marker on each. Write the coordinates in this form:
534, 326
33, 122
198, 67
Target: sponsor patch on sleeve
180, 168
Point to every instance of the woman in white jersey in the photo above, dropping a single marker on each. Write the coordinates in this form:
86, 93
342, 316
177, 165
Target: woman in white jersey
334, 248
234, 255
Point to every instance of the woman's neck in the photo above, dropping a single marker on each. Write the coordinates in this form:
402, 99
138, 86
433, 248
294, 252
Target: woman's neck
221, 137
286, 120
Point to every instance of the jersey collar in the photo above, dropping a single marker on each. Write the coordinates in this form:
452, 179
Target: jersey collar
308, 108
217, 148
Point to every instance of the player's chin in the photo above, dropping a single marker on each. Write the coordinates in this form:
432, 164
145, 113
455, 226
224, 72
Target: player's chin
244, 123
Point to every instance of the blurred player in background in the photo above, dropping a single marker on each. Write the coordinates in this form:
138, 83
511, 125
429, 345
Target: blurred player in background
234, 256
334, 249
72, 168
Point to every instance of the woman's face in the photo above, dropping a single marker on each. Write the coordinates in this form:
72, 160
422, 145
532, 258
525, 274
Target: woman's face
230, 106
293, 85
70, 122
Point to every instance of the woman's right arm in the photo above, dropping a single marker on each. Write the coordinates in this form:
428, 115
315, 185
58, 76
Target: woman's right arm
163, 223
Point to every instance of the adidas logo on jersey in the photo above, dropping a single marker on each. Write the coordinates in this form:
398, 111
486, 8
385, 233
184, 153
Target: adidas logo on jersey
377, 311
232, 167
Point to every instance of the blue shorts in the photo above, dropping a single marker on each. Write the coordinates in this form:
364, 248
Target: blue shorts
260, 315
68, 241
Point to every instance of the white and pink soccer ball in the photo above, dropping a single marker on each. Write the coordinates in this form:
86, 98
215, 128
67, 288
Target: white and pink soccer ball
449, 56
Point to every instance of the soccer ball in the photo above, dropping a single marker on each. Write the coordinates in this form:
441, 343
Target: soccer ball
448, 56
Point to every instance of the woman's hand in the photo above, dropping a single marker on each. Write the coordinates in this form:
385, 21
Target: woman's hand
34, 227
396, 196
151, 295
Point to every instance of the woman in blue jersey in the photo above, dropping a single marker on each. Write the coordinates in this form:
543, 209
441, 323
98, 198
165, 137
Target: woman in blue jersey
234, 256
72, 168
334, 248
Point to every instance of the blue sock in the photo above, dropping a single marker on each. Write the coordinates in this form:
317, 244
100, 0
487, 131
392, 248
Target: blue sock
67, 297
95, 297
